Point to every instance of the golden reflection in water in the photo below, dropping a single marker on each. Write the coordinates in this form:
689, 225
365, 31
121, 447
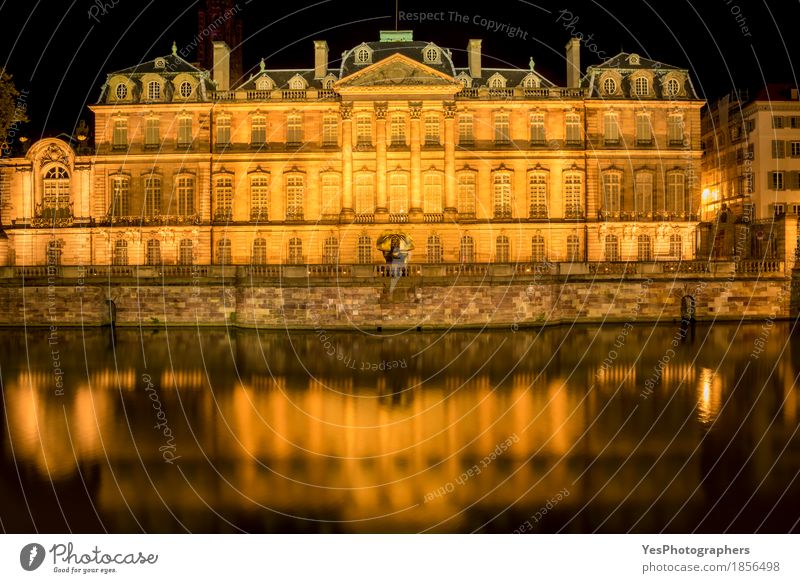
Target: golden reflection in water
709, 396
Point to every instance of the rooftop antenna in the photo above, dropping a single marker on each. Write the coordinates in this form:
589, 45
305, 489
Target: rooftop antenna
396, 12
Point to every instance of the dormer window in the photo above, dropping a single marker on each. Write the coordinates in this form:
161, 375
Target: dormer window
186, 89
634, 59
432, 55
497, 82
641, 86
609, 86
154, 91
530, 82
297, 83
363, 56
121, 91
263, 84
464, 80
328, 82
673, 87
160, 64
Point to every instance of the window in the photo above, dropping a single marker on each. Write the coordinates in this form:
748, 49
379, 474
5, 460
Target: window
537, 194
611, 248
643, 192
184, 186
330, 194
363, 56
610, 128
676, 246
263, 84
56, 197
152, 196
538, 253
330, 131
258, 130
502, 250
295, 197
502, 195
673, 87
794, 122
497, 82
186, 89
776, 181
641, 86
466, 252
432, 193
676, 192
777, 122
609, 86
55, 250
120, 138
612, 192
364, 249
364, 193
538, 136
153, 91
778, 149
185, 252
644, 248
294, 129
398, 129
152, 133
121, 91
120, 253
465, 135
573, 129
530, 82
224, 252
330, 251
574, 248
573, 195
398, 193
223, 194
434, 249
259, 251
153, 254
466, 194
675, 129
795, 149
779, 209
297, 83
295, 250
501, 130
224, 131
644, 131
185, 131
431, 129
120, 196
432, 55
364, 130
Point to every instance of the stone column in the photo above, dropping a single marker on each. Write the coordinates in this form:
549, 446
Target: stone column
415, 211
347, 214
450, 210
382, 206
25, 210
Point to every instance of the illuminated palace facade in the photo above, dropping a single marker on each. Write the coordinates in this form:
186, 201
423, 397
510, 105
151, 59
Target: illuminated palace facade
312, 166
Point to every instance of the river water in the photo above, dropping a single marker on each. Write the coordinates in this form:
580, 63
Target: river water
651, 428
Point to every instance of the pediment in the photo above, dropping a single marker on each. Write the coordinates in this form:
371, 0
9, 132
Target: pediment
397, 73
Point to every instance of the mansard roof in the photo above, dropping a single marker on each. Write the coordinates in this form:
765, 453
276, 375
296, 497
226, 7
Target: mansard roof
281, 78
382, 50
513, 76
627, 66
632, 61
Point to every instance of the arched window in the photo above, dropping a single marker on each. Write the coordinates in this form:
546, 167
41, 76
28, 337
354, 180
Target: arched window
224, 252
259, 251
497, 82
643, 187
364, 249
530, 82
259, 198
573, 195
185, 252
263, 84
364, 193
466, 194
120, 252
120, 196
574, 248
330, 251
153, 91
609, 86
297, 84
55, 250
676, 246
186, 89
676, 192
644, 248
295, 250
363, 56
121, 91
502, 249
673, 87
432, 55
538, 251
466, 253
611, 248
432, 193
56, 197
612, 192
502, 195
223, 194
398, 193
153, 254
434, 249
641, 86
537, 195
295, 197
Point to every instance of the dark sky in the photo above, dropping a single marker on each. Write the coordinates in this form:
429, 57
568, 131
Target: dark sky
61, 57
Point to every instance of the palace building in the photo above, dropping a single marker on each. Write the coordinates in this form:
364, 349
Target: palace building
312, 166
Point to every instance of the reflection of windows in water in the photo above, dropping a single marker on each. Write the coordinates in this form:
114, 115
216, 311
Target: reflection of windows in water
54, 252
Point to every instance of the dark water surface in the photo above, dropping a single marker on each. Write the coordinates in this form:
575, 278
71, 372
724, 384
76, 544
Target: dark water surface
563, 429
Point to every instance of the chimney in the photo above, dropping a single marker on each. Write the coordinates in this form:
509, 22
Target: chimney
474, 55
222, 65
573, 63
320, 59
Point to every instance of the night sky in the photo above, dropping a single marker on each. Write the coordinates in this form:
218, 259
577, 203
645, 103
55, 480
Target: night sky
60, 56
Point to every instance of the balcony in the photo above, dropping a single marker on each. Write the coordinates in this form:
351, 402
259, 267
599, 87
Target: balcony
364, 219
293, 94
538, 212
58, 215
223, 215
573, 212
259, 215
433, 217
152, 220
398, 217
